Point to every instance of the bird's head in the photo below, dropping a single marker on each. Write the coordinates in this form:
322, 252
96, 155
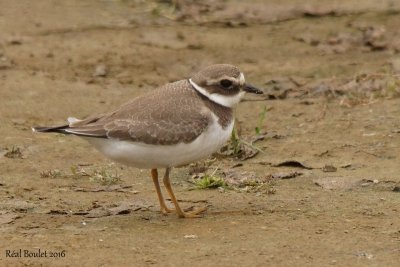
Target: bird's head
223, 84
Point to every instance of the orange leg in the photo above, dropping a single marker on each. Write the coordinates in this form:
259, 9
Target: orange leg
181, 213
164, 208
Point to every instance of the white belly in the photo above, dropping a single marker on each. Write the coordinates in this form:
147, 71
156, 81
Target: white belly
147, 156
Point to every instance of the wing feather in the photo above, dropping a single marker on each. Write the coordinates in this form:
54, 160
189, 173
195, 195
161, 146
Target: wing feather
166, 116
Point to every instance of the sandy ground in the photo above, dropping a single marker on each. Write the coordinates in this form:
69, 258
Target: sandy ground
324, 191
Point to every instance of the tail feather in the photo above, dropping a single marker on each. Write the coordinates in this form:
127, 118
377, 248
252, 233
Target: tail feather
51, 129
66, 129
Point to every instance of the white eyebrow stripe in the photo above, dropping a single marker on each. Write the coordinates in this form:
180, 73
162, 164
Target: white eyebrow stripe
241, 79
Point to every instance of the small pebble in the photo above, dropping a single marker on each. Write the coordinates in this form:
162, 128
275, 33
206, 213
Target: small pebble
100, 71
190, 236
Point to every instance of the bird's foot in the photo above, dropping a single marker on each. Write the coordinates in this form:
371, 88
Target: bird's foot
193, 214
165, 210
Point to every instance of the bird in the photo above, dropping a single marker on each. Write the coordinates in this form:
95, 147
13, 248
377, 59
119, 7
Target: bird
171, 126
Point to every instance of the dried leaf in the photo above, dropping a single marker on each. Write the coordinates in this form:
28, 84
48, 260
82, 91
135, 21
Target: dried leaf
319, 12
57, 212
292, 163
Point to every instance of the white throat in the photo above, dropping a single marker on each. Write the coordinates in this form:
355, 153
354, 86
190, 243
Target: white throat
224, 100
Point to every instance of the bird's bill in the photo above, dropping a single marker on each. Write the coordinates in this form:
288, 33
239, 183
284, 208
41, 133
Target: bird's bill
252, 89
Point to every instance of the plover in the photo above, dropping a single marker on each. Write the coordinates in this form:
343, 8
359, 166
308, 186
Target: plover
174, 125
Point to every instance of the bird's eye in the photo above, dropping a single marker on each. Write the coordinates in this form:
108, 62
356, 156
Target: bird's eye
226, 83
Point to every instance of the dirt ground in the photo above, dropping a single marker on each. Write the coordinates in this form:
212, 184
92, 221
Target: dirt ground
324, 190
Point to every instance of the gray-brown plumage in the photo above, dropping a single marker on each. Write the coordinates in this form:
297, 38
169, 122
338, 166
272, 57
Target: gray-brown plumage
175, 107
154, 118
176, 124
